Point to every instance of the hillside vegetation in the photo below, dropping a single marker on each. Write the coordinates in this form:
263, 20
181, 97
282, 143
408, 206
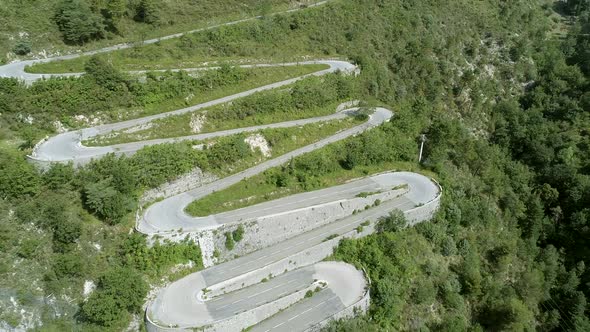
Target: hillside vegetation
505, 109
38, 28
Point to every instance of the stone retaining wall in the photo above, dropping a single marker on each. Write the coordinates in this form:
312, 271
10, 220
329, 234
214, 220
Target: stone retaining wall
193, 179
269, 230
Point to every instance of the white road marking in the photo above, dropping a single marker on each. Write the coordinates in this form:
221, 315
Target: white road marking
306, 311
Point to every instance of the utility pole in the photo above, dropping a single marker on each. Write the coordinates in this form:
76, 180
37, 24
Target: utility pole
422, 139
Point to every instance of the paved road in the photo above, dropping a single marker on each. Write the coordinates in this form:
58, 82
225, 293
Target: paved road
169, 214
182, 304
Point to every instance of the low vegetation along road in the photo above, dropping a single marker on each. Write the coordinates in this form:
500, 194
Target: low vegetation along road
280, 283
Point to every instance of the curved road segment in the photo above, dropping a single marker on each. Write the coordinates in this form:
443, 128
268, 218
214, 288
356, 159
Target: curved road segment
68, 146
298, 297
183, 305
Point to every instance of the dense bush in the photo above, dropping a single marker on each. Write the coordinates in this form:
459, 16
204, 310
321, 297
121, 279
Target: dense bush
22, 47
160, 257
120, 290
77, 22
17, 177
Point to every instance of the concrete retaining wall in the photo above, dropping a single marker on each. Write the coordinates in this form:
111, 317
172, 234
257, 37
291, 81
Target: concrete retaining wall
264, 232
193, 179
425, 211
303, 258
269, 230
248, 318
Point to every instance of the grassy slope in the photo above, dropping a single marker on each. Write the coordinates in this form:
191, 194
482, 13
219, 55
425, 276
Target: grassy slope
34, 18
258, 77
254, 78
283, 140
251, 42
179, 125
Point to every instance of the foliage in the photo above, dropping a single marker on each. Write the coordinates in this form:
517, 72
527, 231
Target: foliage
229, 241
118, 291
23, 47
238, 233
260, 108
37, 19
396, 221
147, 12
104, 74
77, 22
159, 258
109, 204
17, 177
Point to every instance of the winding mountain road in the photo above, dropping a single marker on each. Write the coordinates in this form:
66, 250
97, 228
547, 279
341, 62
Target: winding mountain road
282, 286
68, 146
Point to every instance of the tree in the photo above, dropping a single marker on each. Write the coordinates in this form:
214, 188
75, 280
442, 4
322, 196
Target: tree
68, 265
59, 176
103, 199
147, 12
102, 309
113, 11
104, 74
392, 223
119, 290
77, 22
67, 231
22, 47
116, 8
17, 177
126, 286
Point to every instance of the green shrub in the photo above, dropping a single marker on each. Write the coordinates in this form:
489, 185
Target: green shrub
229, 241
394, 222
77, 23
238, 234
22, 47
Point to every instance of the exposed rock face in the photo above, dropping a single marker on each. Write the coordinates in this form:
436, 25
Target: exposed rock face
197, 122
257, 141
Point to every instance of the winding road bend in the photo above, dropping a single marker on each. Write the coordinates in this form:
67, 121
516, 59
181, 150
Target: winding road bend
279, 282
